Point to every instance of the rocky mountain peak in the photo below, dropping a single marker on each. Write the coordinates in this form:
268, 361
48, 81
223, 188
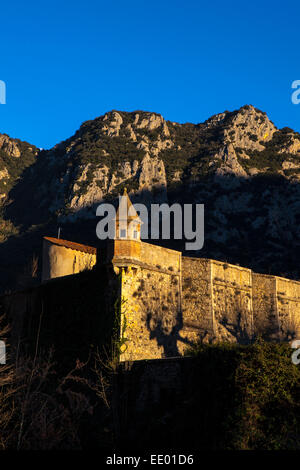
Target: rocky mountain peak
9, 146
250, 128
237, 163
247, 128
115, 123
144, 151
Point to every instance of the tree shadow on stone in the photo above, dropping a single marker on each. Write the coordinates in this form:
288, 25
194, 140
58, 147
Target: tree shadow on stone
239, 329
166, 336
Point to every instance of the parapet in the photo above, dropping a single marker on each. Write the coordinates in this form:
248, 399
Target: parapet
123, 253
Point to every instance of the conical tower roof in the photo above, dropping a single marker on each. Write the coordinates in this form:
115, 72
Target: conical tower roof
126, 209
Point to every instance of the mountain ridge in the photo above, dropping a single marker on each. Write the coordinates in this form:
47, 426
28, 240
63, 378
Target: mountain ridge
238, 163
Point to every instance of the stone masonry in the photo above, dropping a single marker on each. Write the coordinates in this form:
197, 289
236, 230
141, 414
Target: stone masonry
169, 302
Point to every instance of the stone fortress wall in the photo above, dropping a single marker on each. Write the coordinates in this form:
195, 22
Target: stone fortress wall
166, 312
169, 302
150, 297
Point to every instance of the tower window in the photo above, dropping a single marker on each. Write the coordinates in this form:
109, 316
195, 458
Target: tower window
122, 233
135, 234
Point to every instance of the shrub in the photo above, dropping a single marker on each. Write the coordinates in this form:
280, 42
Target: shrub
252, 393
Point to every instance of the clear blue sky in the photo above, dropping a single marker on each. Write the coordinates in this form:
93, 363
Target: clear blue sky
65, 62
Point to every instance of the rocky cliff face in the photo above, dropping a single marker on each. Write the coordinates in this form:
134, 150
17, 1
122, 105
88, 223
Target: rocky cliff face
15, 156
9, 146
244, 169
146, 152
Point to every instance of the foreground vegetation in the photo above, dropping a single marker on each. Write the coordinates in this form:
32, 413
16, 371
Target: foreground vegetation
231, 397
248, 397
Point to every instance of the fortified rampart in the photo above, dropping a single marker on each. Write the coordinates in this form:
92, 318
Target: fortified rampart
150, 280
168, 311
168, 302
226, 302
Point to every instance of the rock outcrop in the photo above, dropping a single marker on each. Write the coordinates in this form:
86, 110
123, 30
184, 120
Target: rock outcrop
238, 164
9, 146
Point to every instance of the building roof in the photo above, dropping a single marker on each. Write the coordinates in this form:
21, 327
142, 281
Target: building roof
73, 246
126, 209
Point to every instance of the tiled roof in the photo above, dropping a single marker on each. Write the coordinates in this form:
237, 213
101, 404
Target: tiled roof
72, 245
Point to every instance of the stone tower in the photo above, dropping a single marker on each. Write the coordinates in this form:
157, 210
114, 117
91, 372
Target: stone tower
128, 223
150, 288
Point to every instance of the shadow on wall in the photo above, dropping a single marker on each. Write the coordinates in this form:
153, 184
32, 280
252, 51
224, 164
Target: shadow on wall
166, 337
238, 330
